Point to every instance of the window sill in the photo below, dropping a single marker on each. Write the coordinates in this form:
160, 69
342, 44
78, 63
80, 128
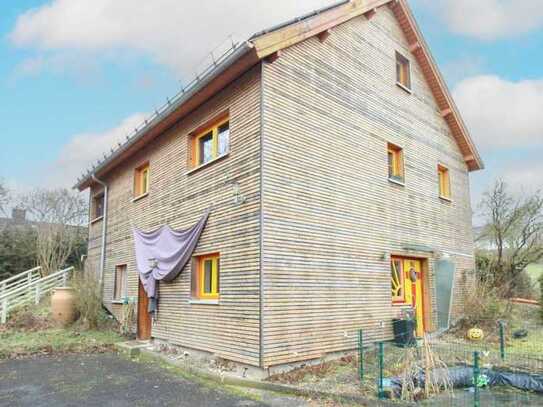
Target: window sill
399, 304
397, 182
136, 199
405, 88
203, 302
195, 169
445, 199
119, 302
96, 220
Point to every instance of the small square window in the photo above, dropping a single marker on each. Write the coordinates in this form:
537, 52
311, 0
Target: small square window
444, 182
205, 277
98, 206
395, 163
141, 180
210, 144
120, 289
403, 71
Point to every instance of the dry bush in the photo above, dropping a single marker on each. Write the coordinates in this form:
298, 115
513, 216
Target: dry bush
30, 318
484, 306
88, 302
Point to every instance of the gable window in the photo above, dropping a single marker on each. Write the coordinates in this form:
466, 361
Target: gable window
395, 163
211, 143
98, 207
120, 288
141, 180
397, 281
444, 182
403, 71
205, 277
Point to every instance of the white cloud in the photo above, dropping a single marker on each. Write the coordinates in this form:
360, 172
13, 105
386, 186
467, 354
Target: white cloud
174, 33
84, 149
500, 113
489, 19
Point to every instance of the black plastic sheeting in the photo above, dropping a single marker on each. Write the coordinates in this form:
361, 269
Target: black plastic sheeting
461, 377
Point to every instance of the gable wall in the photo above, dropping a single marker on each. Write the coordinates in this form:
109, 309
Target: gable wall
330, 212
231, 329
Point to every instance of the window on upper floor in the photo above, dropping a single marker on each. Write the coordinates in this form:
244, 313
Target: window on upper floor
120, 284
97, 206
403, 71
211, 143
444, 182
395, 163
141, 180
205, 277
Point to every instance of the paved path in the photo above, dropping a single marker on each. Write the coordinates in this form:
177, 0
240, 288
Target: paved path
103, 380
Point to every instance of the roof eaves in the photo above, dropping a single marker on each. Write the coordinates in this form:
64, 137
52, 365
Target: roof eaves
172, 105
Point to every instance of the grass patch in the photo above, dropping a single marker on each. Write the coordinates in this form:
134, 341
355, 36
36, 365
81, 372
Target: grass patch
15, 344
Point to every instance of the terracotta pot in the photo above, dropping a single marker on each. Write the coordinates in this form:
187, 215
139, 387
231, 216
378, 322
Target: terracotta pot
63, 305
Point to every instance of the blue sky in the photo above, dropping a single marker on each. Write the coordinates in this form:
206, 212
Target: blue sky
76, 75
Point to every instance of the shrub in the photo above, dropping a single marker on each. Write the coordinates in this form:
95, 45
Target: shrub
88, 301
541, 298
483, 307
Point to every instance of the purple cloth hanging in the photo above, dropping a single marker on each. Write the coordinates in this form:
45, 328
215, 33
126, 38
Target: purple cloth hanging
162, 254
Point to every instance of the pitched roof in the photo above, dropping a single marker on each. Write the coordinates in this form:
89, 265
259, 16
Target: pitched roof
270, 42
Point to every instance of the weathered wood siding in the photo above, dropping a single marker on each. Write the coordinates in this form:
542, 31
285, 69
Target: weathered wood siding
231, 329
330, 213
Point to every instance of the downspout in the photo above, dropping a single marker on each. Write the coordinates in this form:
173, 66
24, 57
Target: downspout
104, 231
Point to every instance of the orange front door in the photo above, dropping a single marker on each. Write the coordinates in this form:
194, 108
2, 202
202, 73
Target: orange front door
144, 318
407, 287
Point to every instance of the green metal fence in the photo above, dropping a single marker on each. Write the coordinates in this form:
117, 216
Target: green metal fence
505, 348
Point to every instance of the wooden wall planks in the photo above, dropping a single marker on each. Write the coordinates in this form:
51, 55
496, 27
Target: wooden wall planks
330, 212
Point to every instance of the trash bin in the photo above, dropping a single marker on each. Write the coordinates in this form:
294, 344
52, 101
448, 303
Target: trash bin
404, 332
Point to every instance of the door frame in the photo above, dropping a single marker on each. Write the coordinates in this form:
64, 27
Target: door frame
425, 283
144, 322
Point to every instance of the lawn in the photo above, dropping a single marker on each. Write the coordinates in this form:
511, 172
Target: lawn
535, 271
55, 340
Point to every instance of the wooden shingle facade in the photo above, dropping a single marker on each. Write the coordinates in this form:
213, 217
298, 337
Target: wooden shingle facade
305, 216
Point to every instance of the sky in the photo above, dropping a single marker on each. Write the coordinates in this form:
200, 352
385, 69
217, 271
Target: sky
76, 76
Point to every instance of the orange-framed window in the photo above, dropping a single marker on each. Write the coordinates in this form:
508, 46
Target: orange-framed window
444, 182
120, 287
98, 206
206, 277
397, 281
211, 143
395, 163
141, 180
403, 71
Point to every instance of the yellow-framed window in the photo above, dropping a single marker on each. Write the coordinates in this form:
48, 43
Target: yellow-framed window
208, 276
397, 281
98, 206
403, 71
120, 286
211, 143
444, 182
395, 163
141, 180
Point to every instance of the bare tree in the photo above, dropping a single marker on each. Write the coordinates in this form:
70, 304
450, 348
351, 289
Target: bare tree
514, 227
4, 198
58, 215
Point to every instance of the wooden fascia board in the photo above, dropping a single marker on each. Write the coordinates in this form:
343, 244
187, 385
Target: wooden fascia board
237, 69
424, 57
295, 33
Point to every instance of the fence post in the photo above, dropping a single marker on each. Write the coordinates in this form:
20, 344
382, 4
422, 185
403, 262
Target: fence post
360, 356
29, 277
380, 390
476, 374
4, 316
64, 279
38, 294
502, 339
